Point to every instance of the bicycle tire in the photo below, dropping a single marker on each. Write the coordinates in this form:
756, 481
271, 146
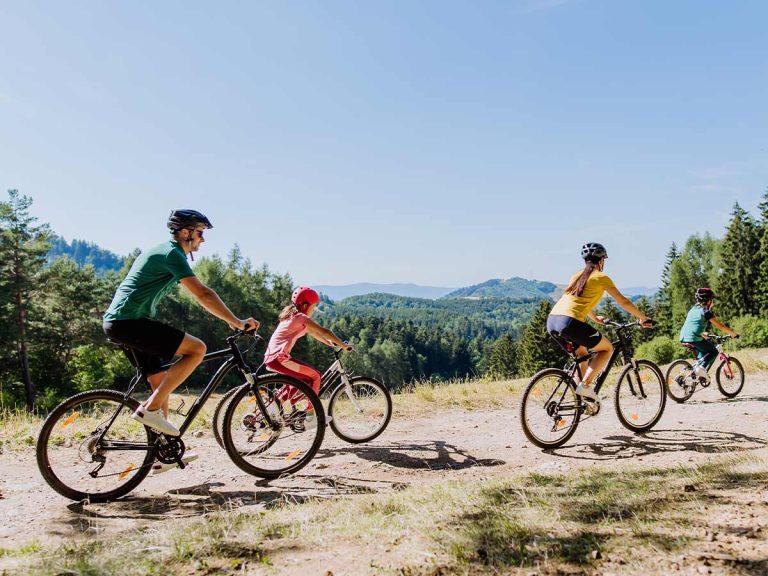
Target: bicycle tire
551, 409
218, 415
730, 392
679, 392
639, 396
65, 426
255, 448
378, 406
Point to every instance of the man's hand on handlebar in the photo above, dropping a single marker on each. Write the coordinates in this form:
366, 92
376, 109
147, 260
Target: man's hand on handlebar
247, 325
646, 323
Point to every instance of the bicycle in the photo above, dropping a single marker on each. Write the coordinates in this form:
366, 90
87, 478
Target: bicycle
359, 407
89, 448
682, 381
550, 409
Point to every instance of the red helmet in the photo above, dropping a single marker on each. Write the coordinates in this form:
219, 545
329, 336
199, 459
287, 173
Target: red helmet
704, 295
303, 297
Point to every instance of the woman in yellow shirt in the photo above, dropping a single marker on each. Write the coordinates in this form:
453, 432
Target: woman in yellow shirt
567, 320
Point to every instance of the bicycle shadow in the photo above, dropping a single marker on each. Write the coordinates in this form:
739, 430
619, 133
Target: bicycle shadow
724, 400
442, 456
659, 441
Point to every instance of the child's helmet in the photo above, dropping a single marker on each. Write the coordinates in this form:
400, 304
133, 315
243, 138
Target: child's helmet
179, 219
592, 251
303, 297
704, 295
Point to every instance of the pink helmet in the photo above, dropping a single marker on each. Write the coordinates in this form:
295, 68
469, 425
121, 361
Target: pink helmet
303, 297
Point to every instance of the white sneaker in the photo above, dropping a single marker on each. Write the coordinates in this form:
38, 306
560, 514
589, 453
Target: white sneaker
155, 420
160, 467
587, 392
701, 373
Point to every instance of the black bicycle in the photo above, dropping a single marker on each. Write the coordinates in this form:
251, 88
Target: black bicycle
89, 447
550, 409
359, 407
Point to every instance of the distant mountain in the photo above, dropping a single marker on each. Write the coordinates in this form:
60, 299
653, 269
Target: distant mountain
84, 253
639, 291
409, 290
515, 288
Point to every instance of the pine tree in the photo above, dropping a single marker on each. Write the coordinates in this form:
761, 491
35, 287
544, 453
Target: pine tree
662, 312
23, 249
736, 284
537, 349
503, 362
761, 282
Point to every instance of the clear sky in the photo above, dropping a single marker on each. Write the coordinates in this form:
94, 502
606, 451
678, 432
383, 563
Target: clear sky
436, 142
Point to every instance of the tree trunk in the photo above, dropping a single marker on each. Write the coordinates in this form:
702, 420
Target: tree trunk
29, 386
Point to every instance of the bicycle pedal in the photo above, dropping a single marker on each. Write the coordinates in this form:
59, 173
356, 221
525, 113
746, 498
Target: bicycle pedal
591, 407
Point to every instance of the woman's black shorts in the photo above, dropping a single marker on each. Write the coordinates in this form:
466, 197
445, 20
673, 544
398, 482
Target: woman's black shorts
572, 330
153, 342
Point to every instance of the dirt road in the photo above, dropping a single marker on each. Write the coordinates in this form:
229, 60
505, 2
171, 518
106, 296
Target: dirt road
448, 445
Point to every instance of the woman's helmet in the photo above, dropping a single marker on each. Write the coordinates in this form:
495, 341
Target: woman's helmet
303, 297
704, 295
186, 219
592, 251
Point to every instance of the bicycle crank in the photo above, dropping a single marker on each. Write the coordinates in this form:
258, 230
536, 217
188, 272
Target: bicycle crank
169, 449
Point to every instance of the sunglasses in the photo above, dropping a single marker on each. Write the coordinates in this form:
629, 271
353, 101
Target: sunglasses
198, 233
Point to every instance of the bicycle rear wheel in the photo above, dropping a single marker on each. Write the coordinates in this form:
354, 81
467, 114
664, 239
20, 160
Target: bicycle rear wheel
550, 409
640, 396
81, 461
283, 448
730, 377
679, 380
361, 410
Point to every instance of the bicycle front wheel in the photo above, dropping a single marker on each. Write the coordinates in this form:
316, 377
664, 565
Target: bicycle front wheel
282, 447
640, 396
359, 411
217, 422
86, 450
550, 409
730, 377
680, 380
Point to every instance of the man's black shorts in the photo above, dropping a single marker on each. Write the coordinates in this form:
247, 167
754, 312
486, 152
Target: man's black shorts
572, 330
153, 342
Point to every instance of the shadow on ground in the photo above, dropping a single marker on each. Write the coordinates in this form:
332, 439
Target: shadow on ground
657, 441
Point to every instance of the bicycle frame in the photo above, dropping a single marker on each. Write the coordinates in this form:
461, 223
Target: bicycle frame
232, 355
334, 371
620, 348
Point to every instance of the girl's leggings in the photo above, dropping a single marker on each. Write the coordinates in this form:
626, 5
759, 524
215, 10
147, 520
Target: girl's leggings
296, 369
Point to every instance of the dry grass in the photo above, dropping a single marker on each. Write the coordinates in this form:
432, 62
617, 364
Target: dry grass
631, 521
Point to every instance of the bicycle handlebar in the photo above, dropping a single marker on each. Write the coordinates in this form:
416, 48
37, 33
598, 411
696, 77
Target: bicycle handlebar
620, 326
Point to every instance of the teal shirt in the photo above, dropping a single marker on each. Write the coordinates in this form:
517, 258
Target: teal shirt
153, 274
695, 323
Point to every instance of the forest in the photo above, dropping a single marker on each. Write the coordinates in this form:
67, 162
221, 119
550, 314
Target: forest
53, 295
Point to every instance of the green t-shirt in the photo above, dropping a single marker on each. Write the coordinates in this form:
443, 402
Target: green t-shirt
153, 274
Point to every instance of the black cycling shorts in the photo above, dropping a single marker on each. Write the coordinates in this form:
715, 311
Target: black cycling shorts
572, 330
153, 342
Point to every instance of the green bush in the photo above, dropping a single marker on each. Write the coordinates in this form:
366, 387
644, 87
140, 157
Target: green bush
662, 350
752, 331
98, 367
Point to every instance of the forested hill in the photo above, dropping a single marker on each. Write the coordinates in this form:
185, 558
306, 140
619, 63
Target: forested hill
84, 253
467, 318
514, 288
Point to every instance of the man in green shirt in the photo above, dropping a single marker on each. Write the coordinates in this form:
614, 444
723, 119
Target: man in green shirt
129, 319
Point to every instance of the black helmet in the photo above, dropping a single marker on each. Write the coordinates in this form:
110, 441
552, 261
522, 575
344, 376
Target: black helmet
704, 295
186, 219
593, 251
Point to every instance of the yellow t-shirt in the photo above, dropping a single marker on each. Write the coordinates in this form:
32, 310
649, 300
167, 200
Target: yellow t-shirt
579, 306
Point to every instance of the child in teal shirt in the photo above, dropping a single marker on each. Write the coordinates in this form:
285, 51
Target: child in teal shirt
695, 328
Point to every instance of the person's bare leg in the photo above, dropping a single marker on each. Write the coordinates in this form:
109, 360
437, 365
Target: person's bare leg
603, 352
154, 381
192, 351
583, 366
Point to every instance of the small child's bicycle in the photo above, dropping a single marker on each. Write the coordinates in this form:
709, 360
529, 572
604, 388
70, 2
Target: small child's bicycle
682, 381
358, 407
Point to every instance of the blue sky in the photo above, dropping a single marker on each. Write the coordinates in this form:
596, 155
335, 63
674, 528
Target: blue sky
435, 142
